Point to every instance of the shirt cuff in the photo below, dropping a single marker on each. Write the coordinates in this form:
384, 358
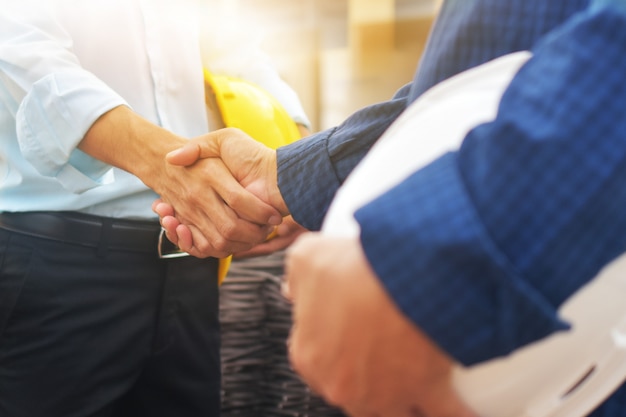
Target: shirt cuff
427, 245
54, 117
307, 196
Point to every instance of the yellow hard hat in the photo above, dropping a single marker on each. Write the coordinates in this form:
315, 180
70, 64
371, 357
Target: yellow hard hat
250, 108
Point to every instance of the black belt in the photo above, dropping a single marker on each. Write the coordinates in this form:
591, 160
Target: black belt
86, 230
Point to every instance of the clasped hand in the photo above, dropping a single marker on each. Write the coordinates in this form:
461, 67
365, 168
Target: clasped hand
242, 208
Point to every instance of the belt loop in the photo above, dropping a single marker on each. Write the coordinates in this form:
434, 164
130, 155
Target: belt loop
105, 237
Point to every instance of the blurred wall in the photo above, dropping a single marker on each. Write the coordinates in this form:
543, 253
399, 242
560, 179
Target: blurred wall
339, 55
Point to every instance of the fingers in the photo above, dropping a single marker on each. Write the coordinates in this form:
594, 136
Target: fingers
168, 221
265, 248
155, 204
247, 205
220, 240
169, 224
206, 242
162, 208
229, 234
184, 237
221, 187
250, 162
200, 156
281, 238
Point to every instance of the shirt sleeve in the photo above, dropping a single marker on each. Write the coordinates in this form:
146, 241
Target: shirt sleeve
481, 247
53, 100
329, 157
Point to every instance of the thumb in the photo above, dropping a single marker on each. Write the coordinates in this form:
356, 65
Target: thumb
193, 150
185, 156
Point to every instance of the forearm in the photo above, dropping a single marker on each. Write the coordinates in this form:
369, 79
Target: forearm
122, 138
311, 171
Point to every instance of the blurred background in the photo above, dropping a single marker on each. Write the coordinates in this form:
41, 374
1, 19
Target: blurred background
339, 55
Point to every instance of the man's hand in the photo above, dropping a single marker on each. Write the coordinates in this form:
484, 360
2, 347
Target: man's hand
283, 236
252, 165
217, 210
352, 345
222, 214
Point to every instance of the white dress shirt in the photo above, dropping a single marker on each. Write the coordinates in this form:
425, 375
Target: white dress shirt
64, 63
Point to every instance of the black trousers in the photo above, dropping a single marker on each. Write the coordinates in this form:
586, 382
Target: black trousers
104, 332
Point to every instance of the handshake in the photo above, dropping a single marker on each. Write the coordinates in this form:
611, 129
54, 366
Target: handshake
232, 204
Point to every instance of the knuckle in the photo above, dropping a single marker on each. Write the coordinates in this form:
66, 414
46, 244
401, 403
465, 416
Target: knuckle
232, 131
203, 247
219, 244
234, 198
226, 232
205, 250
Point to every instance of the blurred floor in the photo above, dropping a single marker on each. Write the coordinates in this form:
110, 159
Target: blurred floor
338, 60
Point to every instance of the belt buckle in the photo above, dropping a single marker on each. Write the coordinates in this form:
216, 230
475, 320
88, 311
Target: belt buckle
167, 249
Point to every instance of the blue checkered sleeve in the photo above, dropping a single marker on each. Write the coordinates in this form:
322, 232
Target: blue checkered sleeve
468, 33
312, 169
481, 247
